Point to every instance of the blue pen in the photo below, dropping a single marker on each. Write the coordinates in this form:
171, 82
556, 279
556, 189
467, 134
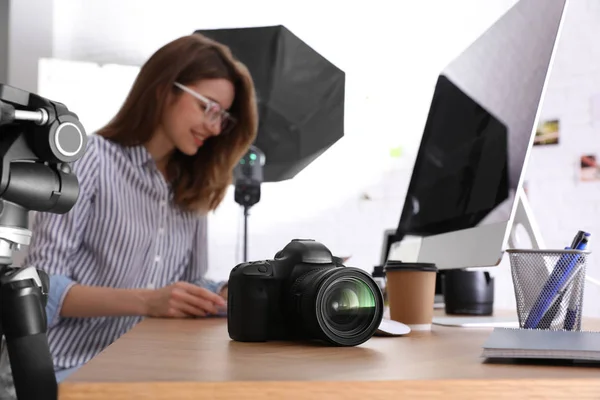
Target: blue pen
548, 318
570, 318
551, 290
573, 309
550, 314
557, 280
571, 314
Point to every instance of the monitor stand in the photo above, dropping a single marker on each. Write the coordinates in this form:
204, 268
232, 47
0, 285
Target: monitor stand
525, 221
523, 233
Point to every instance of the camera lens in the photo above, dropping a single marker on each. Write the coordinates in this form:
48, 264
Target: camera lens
348, 305
343, 306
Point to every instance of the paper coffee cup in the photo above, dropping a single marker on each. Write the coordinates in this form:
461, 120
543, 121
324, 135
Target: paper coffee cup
411, 292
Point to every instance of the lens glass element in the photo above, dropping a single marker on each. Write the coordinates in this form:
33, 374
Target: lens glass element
348, 306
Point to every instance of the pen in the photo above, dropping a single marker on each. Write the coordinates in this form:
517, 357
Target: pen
573, 308
570, 318
549, 316
557, 279
580, 243
581, 235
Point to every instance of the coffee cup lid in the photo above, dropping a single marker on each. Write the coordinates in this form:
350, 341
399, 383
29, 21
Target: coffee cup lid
402, 266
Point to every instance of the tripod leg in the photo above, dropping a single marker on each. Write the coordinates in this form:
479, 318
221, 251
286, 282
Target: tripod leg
7, 387
23, 318
32, 368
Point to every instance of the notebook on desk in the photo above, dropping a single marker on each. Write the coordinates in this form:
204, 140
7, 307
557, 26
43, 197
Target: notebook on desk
542, 344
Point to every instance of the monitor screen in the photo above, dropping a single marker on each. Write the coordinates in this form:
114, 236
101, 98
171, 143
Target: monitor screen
461, 174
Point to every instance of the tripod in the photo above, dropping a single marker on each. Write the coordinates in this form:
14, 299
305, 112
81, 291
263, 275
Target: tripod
38, 140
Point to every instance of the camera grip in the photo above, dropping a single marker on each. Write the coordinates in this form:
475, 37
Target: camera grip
248, 312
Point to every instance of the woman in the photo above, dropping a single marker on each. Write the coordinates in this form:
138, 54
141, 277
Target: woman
135, 243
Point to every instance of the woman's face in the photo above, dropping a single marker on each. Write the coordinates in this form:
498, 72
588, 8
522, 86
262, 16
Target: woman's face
197, 113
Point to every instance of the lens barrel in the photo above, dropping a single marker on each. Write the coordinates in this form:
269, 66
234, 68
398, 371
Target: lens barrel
343, 306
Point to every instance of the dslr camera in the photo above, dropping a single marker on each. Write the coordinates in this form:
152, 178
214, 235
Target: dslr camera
304, 293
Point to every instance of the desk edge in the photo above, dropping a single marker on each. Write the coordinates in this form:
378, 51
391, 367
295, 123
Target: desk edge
488, 388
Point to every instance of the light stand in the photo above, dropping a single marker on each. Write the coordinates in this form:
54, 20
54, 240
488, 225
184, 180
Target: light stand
38, 140
248, 176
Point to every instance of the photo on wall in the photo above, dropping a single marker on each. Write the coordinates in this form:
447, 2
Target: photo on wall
589, 168
548, 132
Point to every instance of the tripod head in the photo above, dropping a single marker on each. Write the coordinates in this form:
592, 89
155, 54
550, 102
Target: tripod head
39, 138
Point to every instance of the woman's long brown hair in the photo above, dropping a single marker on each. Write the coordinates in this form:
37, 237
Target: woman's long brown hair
199, 183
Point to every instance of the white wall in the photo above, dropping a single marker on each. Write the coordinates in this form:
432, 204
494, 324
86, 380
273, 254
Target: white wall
30, 34
414, 40
26, 33
4, 10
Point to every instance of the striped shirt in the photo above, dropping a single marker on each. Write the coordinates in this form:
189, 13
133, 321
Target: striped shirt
123, 232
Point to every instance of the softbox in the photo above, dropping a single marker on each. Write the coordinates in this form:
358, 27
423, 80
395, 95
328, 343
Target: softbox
300, 96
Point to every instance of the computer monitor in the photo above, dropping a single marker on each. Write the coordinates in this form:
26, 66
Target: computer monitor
465, 186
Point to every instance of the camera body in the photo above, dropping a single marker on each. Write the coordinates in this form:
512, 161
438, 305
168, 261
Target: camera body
304, 293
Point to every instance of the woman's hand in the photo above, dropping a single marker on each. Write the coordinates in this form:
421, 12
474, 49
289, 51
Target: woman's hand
183, 300
223, 292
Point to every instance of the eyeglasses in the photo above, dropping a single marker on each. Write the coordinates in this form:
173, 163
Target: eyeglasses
212, 110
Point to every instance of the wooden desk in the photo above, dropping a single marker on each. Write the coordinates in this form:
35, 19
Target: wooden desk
195, 359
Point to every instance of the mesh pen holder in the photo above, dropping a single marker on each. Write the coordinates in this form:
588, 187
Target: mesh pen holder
549, 286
